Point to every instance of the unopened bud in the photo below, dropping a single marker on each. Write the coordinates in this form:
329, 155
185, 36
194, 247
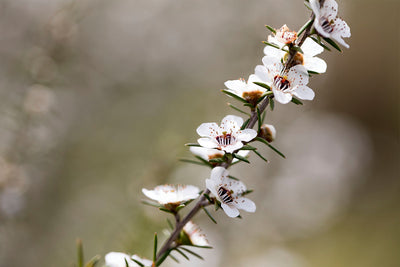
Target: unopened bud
267, 132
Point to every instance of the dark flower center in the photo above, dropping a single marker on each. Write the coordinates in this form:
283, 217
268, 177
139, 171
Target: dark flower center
326, 25
225, 195
225, 139
281, 83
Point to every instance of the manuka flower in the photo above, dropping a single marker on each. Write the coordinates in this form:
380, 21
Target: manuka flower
285, 84
229, 192
194, 235
227, 137
212, 153
326, 22
246, 90
268, 132
308, 59
284, 35
172, 196
119, 259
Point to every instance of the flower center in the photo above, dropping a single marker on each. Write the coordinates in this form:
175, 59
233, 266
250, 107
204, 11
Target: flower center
326, 25
225, 195
281, 83
225, 139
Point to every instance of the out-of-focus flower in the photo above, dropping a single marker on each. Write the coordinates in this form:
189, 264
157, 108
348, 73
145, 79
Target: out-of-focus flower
227, 136
308, 59
285, 84
284, 35
212, 153
247, 90
171, 194
119, 259
229, 192
327, 23
194, 234
268, 132
39, 99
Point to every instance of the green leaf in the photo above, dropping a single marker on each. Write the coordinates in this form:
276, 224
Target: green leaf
245, 124
193, 253
269, 145
238, 109
298, 49
320, 43
166, 210
266, 86
217, 160
138, 262
258, 154
241, 158
271, 103
308, 23
183, 254
296, 101
152, 204
203, 160
247, 192
80, 252
271, 29
307, 5
312, 72
332, 43
155, 247
234, 96
247, 147
172, 257
197, 246
93, 261
208, 198
234, 178
194, 162
192, 144
162, 258
209, 215
273, 45
259, 119
263, 116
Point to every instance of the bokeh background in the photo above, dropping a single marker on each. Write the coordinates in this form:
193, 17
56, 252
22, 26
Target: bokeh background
98, 97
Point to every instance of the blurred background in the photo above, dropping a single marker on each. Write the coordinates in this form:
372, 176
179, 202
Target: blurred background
98, 97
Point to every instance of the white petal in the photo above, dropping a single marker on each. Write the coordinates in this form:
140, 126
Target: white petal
231, 123
236, 85
320, 30
230, 211
238, 187
281, 97
218, 174
117, 259
298, 75
150, 194
315, 64
207, 142
342, 27
245, 204
251, 86
212, 186
208, 129
233, 147
273, 65
329, 9
243, 153
247, 135
314, 4
273, 40
311, 48
304, 92
205, 153
145, 262
262, 73
273, 52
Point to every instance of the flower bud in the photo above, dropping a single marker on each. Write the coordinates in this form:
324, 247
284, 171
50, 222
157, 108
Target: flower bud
267, 132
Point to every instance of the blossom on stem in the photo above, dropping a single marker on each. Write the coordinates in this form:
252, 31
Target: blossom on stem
171, 195
308, 58
246, 90
268, 132
212, 153
285, 84
195, 235
284, 35
119, 259
327, 23
229, 192
227, 137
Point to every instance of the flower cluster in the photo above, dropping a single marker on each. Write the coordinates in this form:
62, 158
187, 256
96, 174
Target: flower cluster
289, 61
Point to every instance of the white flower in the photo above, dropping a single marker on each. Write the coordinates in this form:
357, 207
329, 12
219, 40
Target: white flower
117, 259
247, 90
285, 36
170, 194
308, 59
211, 153
227, 137
229, 192
268, 132
326, 22
286, 84
195, 235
